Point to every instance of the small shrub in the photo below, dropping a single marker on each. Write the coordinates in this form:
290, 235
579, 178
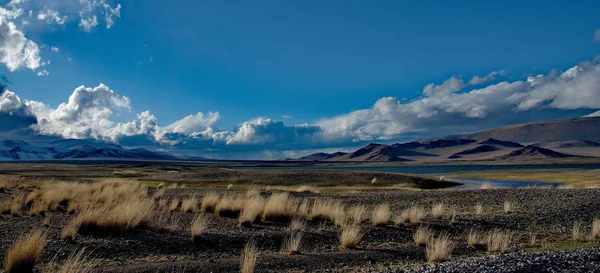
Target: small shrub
499, 241
350, 236
69, 231
209, 201
595, 229
437, 211
381, 215
189, 204
174, 205
249, 257
487, 186
509, 207
16, 205
291, 244
199, 226
422, 235
229, 205
252, 210
476, 238
439, 249
577, 232
478, 209
416, 214
356, 214
297, 225
31, 197
3, 187
24, 253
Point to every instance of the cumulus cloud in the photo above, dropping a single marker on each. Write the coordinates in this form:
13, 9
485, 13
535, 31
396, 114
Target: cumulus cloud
43, 73
444, 108
476, 80
18, 51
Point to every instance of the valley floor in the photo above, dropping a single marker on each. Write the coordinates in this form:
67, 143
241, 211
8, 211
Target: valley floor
536, 220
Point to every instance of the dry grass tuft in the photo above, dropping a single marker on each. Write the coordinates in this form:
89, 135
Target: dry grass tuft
476, 238
174, 205
350, 236
69, 231
291, 244
77, 262
487, 186
189, 204
478, 209
356, 214
422, 235
595, 229
31, 197
199, 226
252, 209
24, 253
298, 225
413, 215
249, 257
499, 241
124, 216
37, 208
329, 209
509, 207
229, 205
159, 193
439, 249
209, 201
577, 232
280, 207
566, 187
16, 205
3, 187
437, 211
381, 215
305, 188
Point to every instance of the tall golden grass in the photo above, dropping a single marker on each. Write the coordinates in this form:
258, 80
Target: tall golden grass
350, 236
252, 209
440, 248
209, 201
422, 235
25, 252
437, 211
499, 241
199, 226
381, 215
249, 257
189, 204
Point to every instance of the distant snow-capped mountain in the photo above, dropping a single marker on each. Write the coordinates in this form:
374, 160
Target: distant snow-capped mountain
72, 149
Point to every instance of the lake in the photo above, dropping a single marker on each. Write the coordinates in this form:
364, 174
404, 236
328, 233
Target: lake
438, 171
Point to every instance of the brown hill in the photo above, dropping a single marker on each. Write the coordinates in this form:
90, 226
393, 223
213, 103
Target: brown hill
534, 152
544, 131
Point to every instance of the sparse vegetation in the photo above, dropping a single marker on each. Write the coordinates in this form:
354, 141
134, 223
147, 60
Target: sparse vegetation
25, 252
350, 236
440, 248
595, 229
381, 215
252, 209
478, 209
189, 204
356, 214
577, 233
249, 257
422, 235
298, 225
476, 238
437, 211
291, 244
3, 187
509, 207
174, 205
199, 226
499, 241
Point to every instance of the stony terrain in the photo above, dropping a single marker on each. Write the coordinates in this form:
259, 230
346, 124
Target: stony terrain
165, 245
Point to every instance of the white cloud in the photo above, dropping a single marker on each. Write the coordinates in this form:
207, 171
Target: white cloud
597, 36
87, 24
51, 16
476, 80
450, 85
445, 108
43, 73
18, 51
55, 49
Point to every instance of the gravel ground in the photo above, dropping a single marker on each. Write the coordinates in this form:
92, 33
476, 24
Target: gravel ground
575, 260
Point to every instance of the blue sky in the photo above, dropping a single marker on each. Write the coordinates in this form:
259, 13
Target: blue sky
290, 77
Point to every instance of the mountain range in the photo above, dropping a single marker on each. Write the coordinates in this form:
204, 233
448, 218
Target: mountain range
72, 149
566, 138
